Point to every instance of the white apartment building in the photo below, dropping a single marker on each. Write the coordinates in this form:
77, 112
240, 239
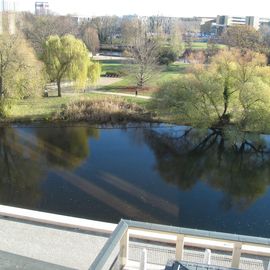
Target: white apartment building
253, 21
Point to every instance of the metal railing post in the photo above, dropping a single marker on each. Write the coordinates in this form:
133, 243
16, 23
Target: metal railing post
123, 255
179, 247
143, 262
237, 249
207, 257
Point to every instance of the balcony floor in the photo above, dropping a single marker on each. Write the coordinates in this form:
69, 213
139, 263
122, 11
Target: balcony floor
25, 243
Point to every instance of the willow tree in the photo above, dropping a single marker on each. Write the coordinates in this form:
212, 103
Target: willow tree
68, 58
21, 74
234, 89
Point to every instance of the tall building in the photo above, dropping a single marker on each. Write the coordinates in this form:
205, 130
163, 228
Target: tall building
223, 21
41, 8
7, 17
253, 22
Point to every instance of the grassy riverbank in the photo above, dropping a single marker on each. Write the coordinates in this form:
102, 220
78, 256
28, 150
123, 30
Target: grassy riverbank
43, 109
46, 108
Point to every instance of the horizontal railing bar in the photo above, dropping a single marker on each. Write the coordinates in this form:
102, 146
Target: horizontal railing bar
195, 242
198, 233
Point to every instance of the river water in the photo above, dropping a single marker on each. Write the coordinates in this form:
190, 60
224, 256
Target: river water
161, 174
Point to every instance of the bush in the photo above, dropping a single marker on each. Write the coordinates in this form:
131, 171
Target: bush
105, 110
167, 56
115, 74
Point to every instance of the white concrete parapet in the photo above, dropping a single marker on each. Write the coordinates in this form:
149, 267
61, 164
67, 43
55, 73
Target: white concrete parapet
54, 219
108, 228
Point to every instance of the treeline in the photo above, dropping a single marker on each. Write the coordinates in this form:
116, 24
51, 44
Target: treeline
112, 31
103, 29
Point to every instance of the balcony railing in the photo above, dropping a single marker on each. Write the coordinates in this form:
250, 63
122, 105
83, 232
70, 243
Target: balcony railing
115, 253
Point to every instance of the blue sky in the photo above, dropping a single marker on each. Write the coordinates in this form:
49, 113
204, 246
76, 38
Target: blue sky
183, 8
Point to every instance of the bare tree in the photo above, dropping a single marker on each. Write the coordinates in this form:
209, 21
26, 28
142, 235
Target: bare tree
243, 37
91, 40
190, 25
156, 25
176, 33
145, 56
212, 49
130, 30
107, 27
265, 33
38, 28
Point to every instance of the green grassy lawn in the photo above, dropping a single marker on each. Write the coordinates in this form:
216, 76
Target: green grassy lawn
172, 71
127, 84
43, 108
112, 66
199, 45
203, 46
37, 108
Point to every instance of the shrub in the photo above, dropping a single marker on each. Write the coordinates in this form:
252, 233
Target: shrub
167, 56
105, 110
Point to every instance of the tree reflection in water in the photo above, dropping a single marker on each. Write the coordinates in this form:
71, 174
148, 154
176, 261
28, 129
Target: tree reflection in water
25, 158
20, 169
66, 147
235, 163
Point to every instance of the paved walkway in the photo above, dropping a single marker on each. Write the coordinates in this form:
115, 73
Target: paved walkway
118, 94
109, 57
104, 81
68, 86
41, 247
68, 89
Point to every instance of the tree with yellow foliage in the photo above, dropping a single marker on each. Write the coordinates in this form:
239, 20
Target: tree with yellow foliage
21, 74
234, 89
68, 58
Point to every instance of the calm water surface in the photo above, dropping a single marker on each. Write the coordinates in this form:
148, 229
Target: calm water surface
165, 175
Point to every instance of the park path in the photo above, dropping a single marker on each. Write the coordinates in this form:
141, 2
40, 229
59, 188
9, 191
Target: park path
67, 89
118, 94
68, 86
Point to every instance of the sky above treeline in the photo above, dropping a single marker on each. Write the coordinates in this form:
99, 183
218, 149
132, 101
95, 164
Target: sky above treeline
177, 8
